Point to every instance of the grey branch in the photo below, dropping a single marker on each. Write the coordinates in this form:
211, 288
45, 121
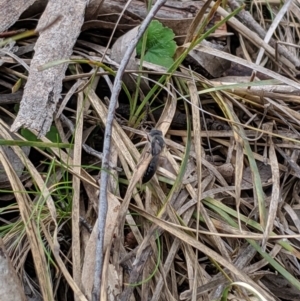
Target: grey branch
106, 150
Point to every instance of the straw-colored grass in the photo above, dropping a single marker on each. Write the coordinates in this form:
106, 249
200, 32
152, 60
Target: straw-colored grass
219, 218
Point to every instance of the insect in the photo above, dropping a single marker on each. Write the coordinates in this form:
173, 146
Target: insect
157, 145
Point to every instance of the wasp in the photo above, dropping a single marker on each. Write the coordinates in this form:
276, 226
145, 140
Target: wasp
157, 144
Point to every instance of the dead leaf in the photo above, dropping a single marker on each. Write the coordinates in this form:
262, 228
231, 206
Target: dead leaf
281, 287
114, 284
265, 173
93, 9
117, 53
227, 171
215, 66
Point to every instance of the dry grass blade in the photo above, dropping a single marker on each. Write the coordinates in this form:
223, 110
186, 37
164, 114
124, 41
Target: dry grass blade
197, 141
36, 245
144, 249
89, 259
78, 293
252, 36
136, 177
122, 141
171, 228
196, 21
253, 66
76, 254
272, 28
168, 264
241, 143
169, 111
45, 194
222, 203
248, 20
275, 198
200, 208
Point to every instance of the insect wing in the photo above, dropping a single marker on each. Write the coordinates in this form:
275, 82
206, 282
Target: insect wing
157, 145
151, 169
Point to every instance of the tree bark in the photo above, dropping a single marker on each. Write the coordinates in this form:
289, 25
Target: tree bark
43, 88
10, 12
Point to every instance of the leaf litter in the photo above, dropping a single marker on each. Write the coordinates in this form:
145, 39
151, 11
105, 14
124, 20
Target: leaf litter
223, 207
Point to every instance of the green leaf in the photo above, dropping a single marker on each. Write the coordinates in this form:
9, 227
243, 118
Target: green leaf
52, 135
160, 45
28, 135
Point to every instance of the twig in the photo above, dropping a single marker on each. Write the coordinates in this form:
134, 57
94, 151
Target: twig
272, 29
99, 155
106, 151
85, 147
246, 18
